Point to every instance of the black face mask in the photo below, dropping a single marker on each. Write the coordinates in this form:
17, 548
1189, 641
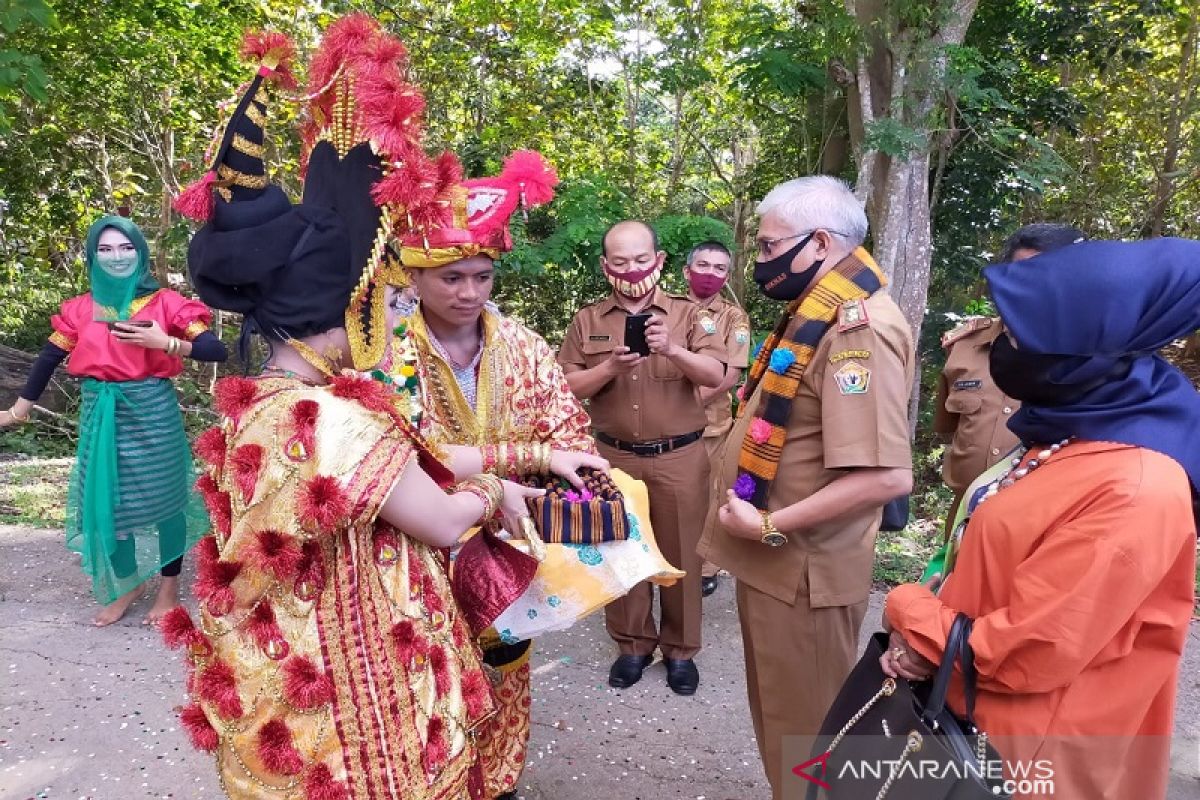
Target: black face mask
1027, 377
776, 279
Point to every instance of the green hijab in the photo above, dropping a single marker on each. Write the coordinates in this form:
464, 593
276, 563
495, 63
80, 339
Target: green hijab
112, 295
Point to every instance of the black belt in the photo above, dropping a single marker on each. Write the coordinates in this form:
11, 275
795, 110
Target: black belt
654, 448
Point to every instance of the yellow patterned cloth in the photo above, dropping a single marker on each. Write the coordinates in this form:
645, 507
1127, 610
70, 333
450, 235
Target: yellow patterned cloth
329, 660
504, 741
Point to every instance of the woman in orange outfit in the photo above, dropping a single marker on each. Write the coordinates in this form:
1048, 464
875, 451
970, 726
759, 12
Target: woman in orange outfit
1077, 565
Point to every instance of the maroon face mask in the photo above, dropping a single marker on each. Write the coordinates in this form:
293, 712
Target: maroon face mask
704, 285
634, 284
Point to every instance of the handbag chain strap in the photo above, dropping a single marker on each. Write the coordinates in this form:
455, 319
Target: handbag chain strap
913, 744
889, 686
981, 743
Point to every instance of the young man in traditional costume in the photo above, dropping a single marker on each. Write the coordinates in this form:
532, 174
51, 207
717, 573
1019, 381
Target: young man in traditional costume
819, 446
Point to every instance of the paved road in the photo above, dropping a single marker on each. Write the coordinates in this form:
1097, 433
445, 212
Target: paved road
87, 713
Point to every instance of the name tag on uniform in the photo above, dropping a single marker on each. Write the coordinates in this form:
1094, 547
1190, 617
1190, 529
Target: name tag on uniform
968, 384
599, 337
845, 354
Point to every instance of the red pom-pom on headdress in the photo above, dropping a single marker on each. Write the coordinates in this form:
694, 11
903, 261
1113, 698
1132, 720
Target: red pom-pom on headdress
408, 186
345, 40
197, 202
532, 174
275, 52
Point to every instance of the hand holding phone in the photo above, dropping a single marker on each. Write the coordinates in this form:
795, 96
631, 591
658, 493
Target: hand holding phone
635, 334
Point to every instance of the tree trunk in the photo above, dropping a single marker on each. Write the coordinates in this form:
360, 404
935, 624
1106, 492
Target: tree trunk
1185, 92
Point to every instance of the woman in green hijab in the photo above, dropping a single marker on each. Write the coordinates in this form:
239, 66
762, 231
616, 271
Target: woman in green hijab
131, 508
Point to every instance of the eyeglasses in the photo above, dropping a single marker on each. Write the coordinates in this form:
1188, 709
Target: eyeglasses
767, 246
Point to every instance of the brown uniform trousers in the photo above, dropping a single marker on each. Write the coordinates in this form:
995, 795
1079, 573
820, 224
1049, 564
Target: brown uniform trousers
733, 326
653, 402
971, 408
801, 605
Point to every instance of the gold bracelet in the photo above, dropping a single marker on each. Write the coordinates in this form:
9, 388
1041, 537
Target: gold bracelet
488, 488
12, 412
543, 465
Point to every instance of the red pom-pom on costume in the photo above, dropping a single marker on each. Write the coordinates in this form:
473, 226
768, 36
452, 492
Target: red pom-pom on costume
450, 171
410, 643
312, 566
441, 672
477, 693
305, 686
195, 722
276, 750
274, 553
436, 749
322, 504
178, 630
430, 597
197, 201
320, 785
233, 396
371, 394
262, 626
214, 585
272, 46
218, 685
533, 174
210, 446
206, 550
304, 423
246, 462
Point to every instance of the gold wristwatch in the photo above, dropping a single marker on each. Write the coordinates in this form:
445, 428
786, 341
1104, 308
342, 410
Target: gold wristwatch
771, 536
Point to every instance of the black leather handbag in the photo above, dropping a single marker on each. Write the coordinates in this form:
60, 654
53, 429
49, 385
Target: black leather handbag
895, 514
889, 738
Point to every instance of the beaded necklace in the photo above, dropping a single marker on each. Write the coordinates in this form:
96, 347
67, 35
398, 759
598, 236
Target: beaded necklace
1016, 472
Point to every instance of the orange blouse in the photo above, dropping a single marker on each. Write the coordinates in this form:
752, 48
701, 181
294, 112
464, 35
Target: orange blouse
1080, 581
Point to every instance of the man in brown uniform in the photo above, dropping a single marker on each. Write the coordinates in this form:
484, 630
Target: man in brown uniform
648, 421
802, 547
707, 271
972, 414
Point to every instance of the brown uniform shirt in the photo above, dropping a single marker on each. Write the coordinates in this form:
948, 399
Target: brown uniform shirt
730, 322
655, 400
970, 406
851, 411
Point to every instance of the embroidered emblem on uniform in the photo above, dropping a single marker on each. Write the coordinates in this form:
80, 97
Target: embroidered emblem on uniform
845, 354
968, 384
708, 324
853, 378
852, 315
742, 335
599, 337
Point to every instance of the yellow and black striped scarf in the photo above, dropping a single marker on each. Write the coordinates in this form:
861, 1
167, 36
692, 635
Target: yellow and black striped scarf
781, 363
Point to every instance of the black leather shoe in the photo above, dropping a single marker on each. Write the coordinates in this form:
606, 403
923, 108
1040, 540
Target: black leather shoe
682, 675
507, 796
627, 670
708, 585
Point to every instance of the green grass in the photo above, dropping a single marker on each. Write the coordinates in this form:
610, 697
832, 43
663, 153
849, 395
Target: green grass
34, 492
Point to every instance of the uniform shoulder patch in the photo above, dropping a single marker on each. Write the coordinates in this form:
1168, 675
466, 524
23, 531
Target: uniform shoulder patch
965, 329
852, 315
741, 335
853, 378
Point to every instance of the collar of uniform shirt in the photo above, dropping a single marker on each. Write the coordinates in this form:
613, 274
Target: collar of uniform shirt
610, 303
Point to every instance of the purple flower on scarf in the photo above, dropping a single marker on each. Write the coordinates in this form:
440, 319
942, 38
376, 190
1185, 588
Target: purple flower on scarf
578, 497
743, 487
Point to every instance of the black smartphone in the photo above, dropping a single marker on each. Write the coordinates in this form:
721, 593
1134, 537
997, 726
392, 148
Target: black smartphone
635, 334
139, 323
